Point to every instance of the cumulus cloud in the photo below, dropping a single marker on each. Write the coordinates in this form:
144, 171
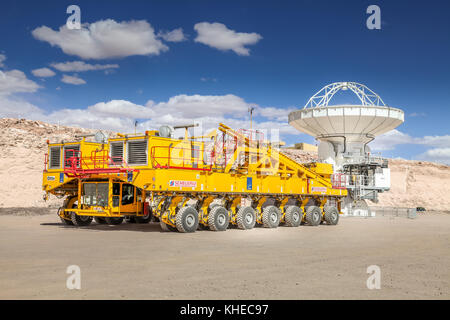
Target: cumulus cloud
119, 115
16, 81
389, 140
278, 114
2, 58
104, 39
72, 80
217, 35
436, 155
43, 72
175, 35
122, 108
80, 66
438, 151
194, 106
18, 108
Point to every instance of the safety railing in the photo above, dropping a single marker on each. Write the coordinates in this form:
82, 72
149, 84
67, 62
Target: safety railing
46, 162
339, 181
99, 162
168, 157
252, 134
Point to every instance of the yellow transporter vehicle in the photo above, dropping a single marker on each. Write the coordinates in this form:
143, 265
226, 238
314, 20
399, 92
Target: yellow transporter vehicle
226, 177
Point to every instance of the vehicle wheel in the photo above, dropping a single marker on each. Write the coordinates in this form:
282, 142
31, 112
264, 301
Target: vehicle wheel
64, 221
218, 219
100, 220
271, 217
313, 215
80, 220
331, 215
130, 220
293, 216
246, 218
187, 219
143, 219
166, 227
67, 222
114, 220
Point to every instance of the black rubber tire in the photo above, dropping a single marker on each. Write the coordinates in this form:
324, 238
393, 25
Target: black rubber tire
331, 215
187, 219
313, 215
80, 221
100, 220
246, 218
271, 217
66, 222
218, 219
114, 220
165, 227
130, 220
293, 216
144, 219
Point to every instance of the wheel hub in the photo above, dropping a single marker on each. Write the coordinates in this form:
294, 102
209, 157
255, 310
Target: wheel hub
190, 220
274, 217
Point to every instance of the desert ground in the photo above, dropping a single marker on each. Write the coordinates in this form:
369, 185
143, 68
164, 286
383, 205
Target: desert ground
132, 261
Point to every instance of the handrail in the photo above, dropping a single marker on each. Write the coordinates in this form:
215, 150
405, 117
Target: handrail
156, 164
77, 165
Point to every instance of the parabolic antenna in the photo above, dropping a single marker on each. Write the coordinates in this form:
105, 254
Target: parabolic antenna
353, 123
101, 137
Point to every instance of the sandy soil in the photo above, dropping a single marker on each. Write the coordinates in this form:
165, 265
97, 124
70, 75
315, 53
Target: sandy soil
140, 262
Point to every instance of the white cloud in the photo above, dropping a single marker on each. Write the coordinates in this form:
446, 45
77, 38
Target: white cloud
278, 114
79, 66
175, 35
418, 114
104, 39
389, 140
194, 106
18, 108
119, 115
217, 35
2, 58
72, 80
43, 72
435, 141
436, 155
204, 79
16, 81
121, 108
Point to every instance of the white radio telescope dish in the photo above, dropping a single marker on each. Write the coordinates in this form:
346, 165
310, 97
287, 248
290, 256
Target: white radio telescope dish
352, 123
101, 137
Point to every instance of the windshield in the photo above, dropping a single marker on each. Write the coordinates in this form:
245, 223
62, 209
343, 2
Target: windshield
95, 194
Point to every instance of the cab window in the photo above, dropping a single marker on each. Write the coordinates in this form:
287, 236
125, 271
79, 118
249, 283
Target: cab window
127, 194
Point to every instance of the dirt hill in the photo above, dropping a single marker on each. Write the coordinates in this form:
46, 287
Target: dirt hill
23, 145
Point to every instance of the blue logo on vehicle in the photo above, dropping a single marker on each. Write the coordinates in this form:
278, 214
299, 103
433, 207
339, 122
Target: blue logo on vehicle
249, 183
61, 177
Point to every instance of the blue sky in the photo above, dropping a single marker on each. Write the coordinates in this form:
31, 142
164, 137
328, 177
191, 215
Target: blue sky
223, 57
